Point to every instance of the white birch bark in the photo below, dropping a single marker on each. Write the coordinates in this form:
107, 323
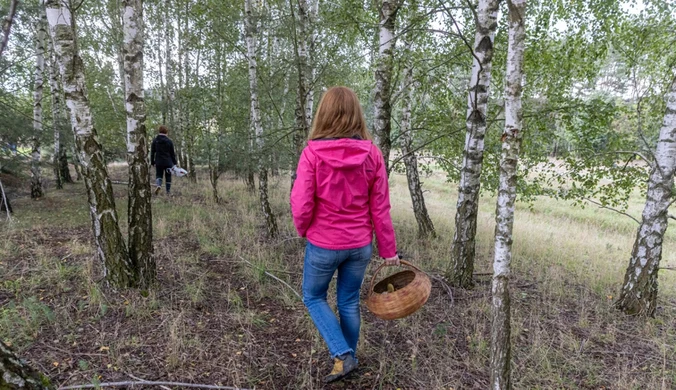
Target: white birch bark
250, 24
383, 109
639, 291
111, 248
139, 210
477, 104
39, 81
425, 225
303, 53
504, 215
300, 45
169, 72
57, 115
313, 14
17, 374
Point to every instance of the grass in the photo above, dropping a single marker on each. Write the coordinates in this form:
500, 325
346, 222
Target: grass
215, 319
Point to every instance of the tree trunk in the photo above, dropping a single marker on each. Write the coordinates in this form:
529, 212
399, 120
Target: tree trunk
64, 170
477, 105
111, 248
139, 210
181, 106
57, 115
36, 174
383, 110
76, 162
250, 181
192, 175
504, 214
250, 24
311, 38
7, 25
17, 375
5, 206
275, 155
214, 174
639, 292
300, 48
168, 44
425, 225
160, 64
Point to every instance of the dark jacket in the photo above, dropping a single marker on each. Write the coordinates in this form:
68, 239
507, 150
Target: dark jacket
162, 152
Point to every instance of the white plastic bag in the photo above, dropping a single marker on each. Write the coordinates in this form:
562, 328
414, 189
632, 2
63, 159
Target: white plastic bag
177, 171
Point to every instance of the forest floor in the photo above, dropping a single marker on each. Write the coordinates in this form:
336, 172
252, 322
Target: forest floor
216, 319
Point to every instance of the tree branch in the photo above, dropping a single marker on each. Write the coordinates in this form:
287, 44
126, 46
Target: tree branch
471, 49
396, 160
611, 209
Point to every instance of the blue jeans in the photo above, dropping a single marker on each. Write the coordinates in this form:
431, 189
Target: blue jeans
320, 265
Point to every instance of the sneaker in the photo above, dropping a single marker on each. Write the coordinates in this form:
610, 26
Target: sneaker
341, 368
157, 190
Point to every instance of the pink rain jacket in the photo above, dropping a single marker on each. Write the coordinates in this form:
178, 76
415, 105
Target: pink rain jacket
341, 196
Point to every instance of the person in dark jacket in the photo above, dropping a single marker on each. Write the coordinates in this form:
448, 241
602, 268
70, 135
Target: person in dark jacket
163, 157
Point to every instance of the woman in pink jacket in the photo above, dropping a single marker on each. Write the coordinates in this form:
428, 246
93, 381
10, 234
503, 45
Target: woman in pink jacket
339, 198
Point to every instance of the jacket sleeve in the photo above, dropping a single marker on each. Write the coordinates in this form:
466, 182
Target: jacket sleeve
172, 152
379, 204
303, 194
153, 151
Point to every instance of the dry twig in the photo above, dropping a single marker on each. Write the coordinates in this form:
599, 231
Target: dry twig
271, 275
148, 383
445, 286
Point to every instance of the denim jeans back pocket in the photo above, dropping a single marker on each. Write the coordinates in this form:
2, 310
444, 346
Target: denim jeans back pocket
321, 259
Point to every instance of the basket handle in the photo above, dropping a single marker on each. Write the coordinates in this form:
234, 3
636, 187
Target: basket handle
381, 266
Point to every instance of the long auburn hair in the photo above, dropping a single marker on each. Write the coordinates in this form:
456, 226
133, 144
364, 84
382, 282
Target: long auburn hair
339, 115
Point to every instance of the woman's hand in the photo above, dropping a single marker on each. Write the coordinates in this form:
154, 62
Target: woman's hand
392, 260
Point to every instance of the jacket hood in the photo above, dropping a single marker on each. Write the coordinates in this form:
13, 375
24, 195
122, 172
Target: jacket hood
341, 153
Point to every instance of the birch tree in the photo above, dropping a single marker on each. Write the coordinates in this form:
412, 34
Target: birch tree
303, 112
60, 159
110, 246
425, 225
313, 14
168, 45
504, 213
383, 110
467, 206
56, 117
250, 25
639, 291
36, 174
139, 210
16, 374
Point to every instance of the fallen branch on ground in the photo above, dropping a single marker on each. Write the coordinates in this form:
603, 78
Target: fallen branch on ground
445, 286
288, 239
148, 383
143, 380
271, 275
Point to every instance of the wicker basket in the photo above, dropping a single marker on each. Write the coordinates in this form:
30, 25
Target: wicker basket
412, 288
